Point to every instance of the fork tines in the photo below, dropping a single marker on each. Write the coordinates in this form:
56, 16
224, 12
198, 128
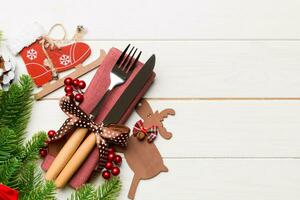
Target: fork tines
127, 64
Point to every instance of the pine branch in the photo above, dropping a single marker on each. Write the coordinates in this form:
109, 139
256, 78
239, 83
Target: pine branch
7, 170
15, 107
42, 192
31, 150
110, 190
8, 144
86, 192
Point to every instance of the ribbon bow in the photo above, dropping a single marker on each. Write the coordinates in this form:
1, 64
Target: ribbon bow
106, 135
140, 131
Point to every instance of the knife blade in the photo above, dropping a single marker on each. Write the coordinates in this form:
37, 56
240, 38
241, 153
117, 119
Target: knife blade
130, 92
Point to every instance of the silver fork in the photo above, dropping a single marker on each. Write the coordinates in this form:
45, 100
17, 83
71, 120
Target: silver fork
119, 74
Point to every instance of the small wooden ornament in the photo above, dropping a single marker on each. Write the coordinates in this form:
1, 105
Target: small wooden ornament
143, 157
80, 70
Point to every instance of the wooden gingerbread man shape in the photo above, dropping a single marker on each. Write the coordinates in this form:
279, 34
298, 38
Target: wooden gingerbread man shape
143, 157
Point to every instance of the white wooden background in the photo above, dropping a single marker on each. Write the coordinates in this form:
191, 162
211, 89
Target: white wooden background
231, 70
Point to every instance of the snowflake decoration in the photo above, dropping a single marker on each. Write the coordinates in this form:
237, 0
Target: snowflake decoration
31, 54
65, 60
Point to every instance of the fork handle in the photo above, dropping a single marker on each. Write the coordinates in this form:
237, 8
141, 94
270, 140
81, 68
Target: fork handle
99, 104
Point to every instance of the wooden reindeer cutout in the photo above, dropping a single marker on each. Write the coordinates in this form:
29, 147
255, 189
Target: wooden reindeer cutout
143, 157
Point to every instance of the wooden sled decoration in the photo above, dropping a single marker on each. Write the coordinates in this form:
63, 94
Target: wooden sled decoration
143, 157
80, 70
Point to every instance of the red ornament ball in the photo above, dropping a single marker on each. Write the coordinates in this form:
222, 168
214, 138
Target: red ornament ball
75, 82
115, 171
79, 98
111, 150
70, 94
81, 84
109, 165
43, 153
111, 156
51, 133
106, 174
118, 160
68, 81
68, 89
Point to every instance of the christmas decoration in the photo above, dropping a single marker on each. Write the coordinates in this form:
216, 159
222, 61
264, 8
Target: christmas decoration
118, 106
7, 71
18, 172
102, 135
152, 162
72, 86
45, 57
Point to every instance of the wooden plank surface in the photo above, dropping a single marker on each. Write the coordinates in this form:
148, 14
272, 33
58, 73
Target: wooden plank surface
229, 68
234, 179
205, 129
168, 20
210, 69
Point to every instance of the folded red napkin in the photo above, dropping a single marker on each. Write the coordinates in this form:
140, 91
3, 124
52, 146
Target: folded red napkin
93, 94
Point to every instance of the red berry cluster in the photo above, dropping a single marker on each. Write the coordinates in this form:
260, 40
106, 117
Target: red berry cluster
110, 168
43, 151
72, 86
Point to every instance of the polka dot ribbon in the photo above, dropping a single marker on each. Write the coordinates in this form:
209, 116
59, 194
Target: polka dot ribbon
150, 133
106, 136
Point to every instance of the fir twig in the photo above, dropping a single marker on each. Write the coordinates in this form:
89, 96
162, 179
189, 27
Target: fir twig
42, 192
8, 143
86, 192
32, 147
110, 190
15, 107
7, 170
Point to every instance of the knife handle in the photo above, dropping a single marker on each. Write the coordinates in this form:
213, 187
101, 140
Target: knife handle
76, 161
66, 153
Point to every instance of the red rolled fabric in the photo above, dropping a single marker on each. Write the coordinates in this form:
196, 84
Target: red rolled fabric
93, 94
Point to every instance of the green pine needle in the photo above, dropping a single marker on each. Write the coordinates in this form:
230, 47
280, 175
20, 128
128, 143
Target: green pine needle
8, 169
42, 192
86, 192
32, 147
15, 106
8, 144
110, 190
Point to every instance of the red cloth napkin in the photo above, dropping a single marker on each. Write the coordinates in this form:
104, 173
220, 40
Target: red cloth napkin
93, 94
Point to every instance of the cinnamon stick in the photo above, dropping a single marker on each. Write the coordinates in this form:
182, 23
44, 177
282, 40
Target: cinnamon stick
76, 161
66, 153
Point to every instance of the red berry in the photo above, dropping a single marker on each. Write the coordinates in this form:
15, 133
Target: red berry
79, 98
51, 133
118, 160
68, 89
68, 81
106, 175
111, 156
43, 153
70, 94
109, 165
115, 171
75, 82
111, 150
81, 84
